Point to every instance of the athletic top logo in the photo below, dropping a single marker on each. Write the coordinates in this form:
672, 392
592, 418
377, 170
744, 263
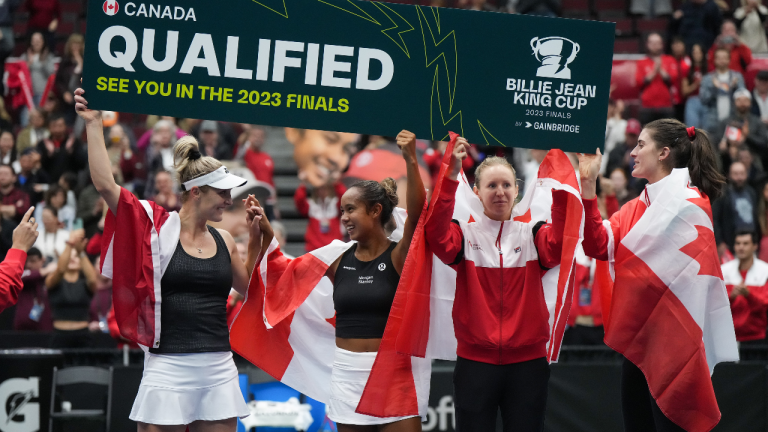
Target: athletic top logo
552, 51
111, 7
518, 249
382, 267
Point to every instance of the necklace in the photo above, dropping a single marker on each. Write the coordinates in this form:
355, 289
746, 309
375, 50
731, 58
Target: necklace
199, 249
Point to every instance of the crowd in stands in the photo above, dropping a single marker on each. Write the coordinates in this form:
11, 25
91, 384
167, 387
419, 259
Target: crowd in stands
694, 72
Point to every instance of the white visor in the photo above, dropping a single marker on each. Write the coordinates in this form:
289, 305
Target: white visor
219, 179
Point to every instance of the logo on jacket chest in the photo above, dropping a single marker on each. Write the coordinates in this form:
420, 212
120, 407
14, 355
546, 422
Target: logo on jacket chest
474, 246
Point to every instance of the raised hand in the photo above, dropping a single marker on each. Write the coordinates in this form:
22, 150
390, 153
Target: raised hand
589, 170
589, 165
407, 142
81, 106
26, 233
254, 216
459, 154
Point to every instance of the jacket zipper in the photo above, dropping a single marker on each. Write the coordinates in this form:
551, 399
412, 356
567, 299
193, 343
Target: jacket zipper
501, 287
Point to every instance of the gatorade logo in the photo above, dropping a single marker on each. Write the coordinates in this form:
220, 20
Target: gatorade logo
18, 412
111, 7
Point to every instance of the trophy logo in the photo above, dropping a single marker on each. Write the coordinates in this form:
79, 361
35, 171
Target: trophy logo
551, 52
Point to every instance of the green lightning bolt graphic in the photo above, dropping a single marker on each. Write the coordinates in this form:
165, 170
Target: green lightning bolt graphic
393, 32
440, 52
276, 6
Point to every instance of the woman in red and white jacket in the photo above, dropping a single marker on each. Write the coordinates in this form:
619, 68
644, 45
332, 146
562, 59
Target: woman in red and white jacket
500, 316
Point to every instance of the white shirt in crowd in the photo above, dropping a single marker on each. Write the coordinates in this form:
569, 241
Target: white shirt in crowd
51, 245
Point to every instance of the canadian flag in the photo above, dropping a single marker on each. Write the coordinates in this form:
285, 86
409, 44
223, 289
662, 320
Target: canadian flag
135, 258
286, 328
421, 323
111, 7
667, 310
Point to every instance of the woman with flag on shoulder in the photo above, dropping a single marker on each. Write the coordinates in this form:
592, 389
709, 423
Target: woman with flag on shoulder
669, 311
365, 274
189, 376
500, 314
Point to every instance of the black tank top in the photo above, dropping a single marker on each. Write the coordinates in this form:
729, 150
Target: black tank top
70, 301
194, 301
363, 292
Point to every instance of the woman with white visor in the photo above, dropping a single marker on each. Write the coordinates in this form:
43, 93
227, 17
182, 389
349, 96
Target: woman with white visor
189, 377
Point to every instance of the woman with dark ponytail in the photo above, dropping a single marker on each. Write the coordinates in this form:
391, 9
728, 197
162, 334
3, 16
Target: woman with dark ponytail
365, 274
665, 303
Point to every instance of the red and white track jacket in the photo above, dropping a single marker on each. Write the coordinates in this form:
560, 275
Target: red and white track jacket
749, 312
500, 315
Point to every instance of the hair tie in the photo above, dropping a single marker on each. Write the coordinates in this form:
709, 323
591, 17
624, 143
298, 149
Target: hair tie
195, 155
691, 132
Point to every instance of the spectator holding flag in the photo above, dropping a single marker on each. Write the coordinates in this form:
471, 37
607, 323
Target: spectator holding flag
659, 245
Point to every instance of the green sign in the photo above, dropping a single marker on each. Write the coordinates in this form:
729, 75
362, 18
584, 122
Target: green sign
355, 66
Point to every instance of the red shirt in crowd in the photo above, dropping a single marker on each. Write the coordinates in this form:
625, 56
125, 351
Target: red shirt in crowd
324, 225
741, 57
42, 12
10, 277
749, 311
261, 165
17, 198
658, 93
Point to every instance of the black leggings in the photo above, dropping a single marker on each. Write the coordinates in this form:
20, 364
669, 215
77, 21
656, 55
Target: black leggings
519, 389
641, 413
72, 338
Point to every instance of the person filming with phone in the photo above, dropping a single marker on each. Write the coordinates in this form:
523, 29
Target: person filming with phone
740, 54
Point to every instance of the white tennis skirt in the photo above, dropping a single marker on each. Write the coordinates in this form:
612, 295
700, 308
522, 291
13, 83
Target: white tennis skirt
348, 377
178, 389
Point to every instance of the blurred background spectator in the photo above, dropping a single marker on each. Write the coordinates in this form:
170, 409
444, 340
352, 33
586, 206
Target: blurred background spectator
750, 19
729, 40
656, 77
697, 22
717, 89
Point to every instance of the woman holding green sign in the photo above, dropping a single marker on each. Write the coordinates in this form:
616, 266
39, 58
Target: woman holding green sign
173, 271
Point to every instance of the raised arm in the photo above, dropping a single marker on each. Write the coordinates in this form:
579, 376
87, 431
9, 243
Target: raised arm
445, 237
415, 197
595, 235
12, 267
91, 278
55, 277
101, 167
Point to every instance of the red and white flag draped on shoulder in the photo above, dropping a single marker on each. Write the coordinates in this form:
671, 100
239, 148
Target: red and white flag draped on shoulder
286, 324
423, 326
135, 257
667, 310
286, 328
